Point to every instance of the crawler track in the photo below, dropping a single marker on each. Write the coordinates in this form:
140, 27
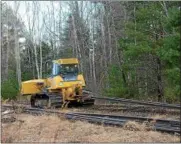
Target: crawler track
171, 126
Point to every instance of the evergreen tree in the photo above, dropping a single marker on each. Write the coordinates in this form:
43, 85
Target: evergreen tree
151, 49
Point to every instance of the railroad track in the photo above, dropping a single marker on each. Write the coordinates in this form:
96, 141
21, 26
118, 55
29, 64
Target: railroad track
154, 104
130, 101
134, 108
170, 126
157, 124
125, 108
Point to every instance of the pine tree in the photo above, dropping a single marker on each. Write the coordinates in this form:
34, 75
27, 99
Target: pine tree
147, 59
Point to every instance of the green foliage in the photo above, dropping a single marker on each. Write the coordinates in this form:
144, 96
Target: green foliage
26, 76
172, 94
117, 85
149, 31
174, 16
115, 81
173, 75
172, 91
9, 88
137, 50
169, 52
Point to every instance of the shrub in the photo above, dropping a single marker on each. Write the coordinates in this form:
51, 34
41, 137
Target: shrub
9, 88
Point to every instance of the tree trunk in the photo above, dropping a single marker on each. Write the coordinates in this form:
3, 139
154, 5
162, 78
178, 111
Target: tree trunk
135, 23
34, 43
7, 51
41, 62
36, 61
109, 38
93, 58
104, 49
159, 79
17, 49
78, 52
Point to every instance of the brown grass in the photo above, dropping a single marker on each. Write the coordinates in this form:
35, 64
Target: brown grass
54, 129
157, 116
134, 126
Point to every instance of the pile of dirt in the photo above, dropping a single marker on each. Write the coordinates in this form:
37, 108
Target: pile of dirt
28, 128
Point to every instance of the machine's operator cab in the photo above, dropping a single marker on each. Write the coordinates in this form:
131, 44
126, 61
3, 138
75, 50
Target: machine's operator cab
64, 69
68, 70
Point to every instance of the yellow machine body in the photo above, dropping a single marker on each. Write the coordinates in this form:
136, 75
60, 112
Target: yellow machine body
70, 86
32, 87
67, 61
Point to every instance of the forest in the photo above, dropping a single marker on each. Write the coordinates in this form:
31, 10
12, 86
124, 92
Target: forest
126, 49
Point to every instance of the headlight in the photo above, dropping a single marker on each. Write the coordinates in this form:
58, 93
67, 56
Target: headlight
61, 83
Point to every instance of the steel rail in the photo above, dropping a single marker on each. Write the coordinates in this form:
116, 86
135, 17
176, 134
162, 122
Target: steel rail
92, 114
160, 125
105, 120
116, 122
131, 118
134, 108
123, 100
111, 122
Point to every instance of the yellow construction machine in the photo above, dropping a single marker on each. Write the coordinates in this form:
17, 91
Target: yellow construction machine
63, 88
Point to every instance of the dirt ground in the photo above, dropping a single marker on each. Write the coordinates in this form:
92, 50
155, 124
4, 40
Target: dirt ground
28, 128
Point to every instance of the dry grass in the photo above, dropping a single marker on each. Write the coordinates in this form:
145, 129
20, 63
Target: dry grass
54, 129
134, 126
157, 116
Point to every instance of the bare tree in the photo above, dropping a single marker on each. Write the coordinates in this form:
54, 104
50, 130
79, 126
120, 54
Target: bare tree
17, 48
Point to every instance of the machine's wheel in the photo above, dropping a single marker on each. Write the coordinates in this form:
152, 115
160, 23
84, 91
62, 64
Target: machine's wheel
32, 101
52, 100
39, 100
55, 100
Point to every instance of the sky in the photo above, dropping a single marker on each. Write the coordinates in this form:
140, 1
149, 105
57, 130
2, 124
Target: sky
43, 6
25, 15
